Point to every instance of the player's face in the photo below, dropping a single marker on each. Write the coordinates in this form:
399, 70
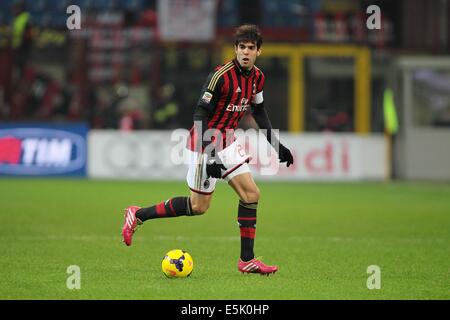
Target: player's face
246, 53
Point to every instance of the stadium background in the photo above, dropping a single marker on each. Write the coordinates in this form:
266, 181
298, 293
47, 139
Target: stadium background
366, 112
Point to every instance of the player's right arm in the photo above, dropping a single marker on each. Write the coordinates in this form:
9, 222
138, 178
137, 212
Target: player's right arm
203, 112
206, 105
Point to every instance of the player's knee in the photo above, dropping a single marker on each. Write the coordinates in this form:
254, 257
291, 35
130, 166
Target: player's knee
199, 208
251, 196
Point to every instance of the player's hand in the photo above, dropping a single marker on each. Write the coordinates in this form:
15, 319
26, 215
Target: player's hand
285, 155
214, 169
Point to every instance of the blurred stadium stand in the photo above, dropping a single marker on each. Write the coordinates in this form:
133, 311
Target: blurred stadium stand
75, 75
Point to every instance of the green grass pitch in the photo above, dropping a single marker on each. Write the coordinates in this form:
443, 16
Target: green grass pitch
323, 236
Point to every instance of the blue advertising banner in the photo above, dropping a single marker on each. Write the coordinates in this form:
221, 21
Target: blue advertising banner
29, 149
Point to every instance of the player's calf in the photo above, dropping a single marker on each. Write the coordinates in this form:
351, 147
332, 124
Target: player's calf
174, 207
247, 226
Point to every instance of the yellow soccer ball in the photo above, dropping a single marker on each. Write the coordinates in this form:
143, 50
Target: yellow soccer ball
177, 264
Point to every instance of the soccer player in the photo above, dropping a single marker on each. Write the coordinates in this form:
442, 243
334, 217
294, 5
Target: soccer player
228, 92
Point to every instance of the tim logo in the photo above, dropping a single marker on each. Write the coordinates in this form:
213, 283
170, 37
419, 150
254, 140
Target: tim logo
243, 106
30, 151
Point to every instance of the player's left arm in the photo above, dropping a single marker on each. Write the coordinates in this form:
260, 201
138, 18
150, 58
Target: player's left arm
262, 119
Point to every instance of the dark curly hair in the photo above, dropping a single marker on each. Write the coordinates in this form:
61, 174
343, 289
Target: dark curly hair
248, 32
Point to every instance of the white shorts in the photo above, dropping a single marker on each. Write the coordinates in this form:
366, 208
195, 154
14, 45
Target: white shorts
233, 158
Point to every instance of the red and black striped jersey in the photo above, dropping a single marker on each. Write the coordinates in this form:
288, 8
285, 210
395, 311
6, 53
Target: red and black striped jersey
229, 91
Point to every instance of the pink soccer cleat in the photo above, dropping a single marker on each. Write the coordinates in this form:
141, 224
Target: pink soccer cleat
256, 266
130, 224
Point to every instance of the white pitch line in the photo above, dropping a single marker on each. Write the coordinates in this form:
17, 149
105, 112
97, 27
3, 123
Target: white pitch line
218, 238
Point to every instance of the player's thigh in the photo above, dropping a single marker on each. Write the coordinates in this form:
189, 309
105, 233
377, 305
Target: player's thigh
196, 177
245, 187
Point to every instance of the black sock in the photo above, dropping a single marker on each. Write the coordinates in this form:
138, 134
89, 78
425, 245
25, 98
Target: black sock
175, 207
247, 226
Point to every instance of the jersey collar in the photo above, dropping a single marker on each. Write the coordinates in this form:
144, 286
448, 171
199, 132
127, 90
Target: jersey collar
241, 70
